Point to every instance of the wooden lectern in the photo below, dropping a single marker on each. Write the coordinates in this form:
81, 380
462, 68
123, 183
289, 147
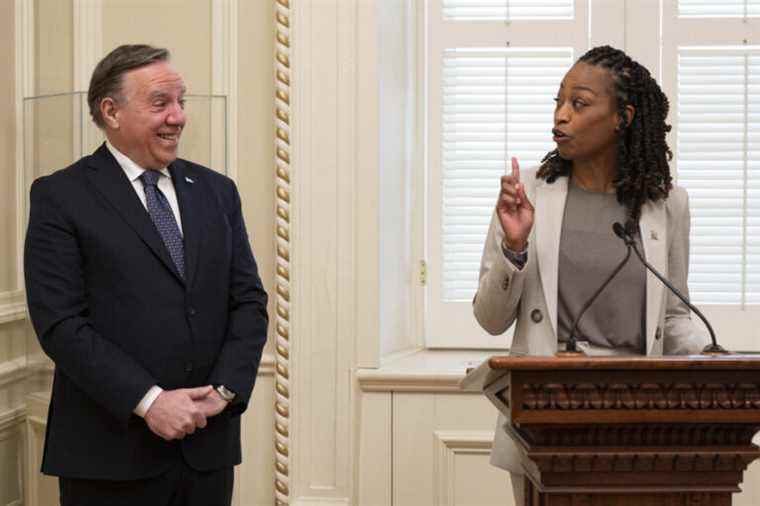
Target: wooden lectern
628, 431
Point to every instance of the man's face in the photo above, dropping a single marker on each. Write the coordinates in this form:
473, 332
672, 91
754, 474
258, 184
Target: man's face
150, 117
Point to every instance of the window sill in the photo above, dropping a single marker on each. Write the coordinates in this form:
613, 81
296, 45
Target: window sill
423, 371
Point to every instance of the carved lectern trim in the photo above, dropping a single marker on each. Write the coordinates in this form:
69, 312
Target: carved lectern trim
641, 396
643, 462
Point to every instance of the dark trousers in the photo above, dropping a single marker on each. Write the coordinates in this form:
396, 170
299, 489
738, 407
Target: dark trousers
180, 486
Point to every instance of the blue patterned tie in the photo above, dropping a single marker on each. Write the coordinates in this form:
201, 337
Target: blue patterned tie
163, 218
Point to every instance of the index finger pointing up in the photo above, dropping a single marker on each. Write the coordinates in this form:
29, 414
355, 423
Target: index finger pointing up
515, 169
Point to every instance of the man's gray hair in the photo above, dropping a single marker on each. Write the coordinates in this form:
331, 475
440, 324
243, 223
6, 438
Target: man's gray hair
109, 73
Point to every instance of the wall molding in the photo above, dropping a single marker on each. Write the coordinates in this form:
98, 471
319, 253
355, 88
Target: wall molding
320, 501
13, 371
88, 50
12, 306
35, 429
224, 78
12, 428
88, 40
267, 365
377, 380
449, 444
11, 420
282, 117
24, 78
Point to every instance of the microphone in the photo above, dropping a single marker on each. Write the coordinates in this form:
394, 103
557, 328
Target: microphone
625, 234
571, 340
621, 232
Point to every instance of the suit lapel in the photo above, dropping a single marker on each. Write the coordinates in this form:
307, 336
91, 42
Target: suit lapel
550, 210
187, 197
652, 226
111, 182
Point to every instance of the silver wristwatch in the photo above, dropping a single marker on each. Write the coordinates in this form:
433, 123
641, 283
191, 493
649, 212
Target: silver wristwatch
225, 393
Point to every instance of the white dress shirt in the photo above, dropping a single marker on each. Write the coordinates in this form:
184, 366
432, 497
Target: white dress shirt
165, 184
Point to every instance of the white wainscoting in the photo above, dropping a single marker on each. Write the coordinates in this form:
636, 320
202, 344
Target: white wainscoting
11, 456
40, 490
441, 449
460, 468
422, 441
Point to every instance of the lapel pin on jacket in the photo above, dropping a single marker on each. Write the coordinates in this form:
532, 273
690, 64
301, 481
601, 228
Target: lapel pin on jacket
189, 180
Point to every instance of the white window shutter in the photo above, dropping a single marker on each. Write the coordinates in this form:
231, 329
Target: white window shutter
507, 10
497, 103
718, 160
718, 9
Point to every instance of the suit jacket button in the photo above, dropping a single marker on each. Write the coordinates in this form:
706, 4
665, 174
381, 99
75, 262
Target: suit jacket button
189, 367
536, 315
505, 284
191, 311
658, 333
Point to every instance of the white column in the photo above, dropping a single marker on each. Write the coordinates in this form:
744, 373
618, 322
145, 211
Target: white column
323, 257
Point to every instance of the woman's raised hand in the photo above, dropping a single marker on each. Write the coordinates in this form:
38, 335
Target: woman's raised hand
514, 210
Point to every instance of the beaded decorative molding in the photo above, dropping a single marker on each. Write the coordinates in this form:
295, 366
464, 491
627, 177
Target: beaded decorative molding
282, 238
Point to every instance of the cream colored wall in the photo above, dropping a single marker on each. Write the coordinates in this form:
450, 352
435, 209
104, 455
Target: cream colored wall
255, 171
183, 26
255, 179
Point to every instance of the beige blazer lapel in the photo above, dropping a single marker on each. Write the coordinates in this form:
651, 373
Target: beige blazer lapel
653, 228
550, 210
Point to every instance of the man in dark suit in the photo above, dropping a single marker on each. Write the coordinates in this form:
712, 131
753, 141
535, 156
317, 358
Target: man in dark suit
143, 290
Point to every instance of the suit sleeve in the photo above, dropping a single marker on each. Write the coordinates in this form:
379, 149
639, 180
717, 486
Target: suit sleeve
57, 301
238, 362
681, 336
500, 284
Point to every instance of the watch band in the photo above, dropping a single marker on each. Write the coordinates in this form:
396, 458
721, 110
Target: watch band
225, 393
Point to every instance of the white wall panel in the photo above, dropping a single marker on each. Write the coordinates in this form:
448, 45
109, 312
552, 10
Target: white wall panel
441, 450
322, 254
374, 472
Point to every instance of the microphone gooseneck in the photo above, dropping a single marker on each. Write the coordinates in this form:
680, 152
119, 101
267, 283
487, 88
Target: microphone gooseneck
626, 236
571, 340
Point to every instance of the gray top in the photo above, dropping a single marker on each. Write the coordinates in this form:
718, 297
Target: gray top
588, 253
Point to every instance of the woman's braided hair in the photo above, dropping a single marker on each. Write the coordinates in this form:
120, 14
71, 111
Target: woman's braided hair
642, 153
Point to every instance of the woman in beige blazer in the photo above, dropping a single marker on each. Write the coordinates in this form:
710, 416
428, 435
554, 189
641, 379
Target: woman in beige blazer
609, 126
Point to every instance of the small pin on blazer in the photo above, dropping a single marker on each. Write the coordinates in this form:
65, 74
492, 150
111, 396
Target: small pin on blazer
189, 180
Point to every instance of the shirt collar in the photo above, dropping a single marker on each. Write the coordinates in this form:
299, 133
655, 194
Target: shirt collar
130, 168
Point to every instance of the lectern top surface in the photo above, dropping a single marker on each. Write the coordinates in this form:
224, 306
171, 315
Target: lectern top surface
722, 362
497, 366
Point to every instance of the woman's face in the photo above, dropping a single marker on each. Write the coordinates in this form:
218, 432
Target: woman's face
586, 116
